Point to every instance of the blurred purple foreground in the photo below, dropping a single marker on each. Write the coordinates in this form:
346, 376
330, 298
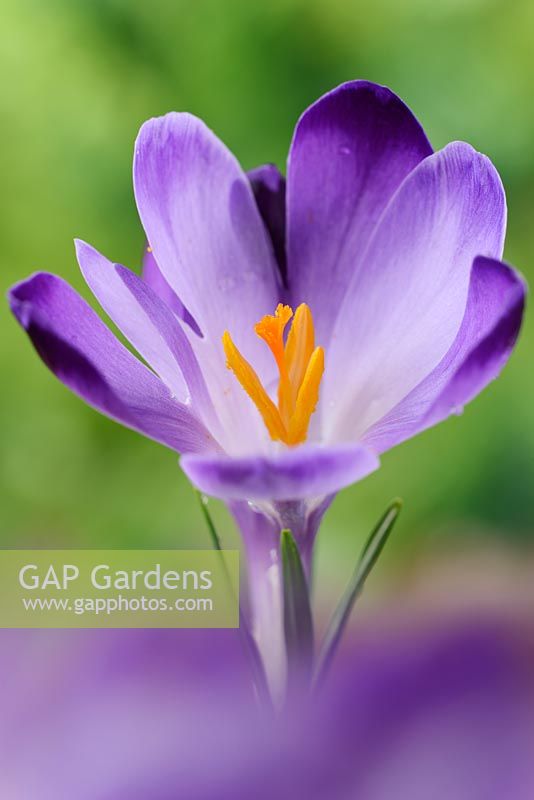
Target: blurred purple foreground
414, 714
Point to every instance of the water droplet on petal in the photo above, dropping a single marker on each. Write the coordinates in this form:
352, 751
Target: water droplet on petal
226, 283
457, 410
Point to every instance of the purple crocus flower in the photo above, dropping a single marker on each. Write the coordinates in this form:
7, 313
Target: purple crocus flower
389, 255
410, 711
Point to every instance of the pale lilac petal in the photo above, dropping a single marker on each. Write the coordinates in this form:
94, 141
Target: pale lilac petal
149, 324
78, 348
204, 228
211, 245
269, 187
350, 152
484, 343
402, 313
151, 274
303, 473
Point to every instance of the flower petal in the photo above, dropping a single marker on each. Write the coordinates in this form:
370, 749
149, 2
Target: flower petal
402, 313
484, 343
149, 325
76, 345
303, 473
350, 152
203, 225
151, 275
269, 187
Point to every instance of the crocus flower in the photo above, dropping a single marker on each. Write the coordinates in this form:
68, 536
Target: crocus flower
293, 331
424, 710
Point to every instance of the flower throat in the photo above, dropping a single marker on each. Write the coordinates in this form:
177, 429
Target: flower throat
300, 366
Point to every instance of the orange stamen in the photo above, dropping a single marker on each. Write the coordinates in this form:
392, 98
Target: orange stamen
299, 348
300, 366
307, 398
250, 382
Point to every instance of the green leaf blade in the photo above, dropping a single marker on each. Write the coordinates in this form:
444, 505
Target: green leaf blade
368, 558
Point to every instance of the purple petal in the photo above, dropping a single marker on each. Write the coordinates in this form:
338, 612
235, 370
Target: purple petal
76, 345
350, 152
203, 225
402, 313
484, 343
241, 429
442, 713
269, 187
435, 710
149, 325
303, 473
151, 275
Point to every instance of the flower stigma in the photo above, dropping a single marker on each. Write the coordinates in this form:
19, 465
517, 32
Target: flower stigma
300, 366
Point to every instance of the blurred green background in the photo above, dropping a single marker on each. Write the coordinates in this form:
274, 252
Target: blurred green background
79, 78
